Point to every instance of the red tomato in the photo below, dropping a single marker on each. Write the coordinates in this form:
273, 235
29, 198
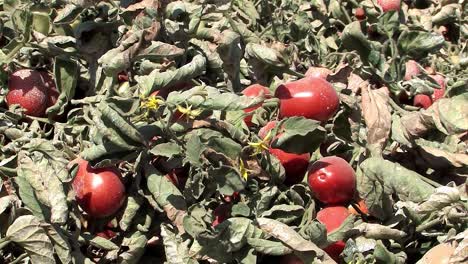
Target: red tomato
422, 100
253, 91
389, 5
28, 89
412, 69
332, 180
332, 218
360, 13
295, 165
290, 259
318, 72
309, 97
99, 192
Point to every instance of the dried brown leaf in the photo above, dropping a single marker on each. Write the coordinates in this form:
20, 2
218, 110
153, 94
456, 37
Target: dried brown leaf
377, 115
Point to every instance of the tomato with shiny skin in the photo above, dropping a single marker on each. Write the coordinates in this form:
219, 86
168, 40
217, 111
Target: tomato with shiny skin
332, 217
332, 180
310, 97
295, 165
253, 91
100, 192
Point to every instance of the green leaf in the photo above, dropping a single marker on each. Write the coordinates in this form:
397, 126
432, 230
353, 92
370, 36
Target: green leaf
66, 77
194, 150
268, 247
301, 135
29, 198
42, 172
156, 80
175, 248
235, 231
418, 43
166, 195
353, 39
168, 150
131, 209
26, 232
60, 241
389, 22
380, 179
210, 98
136, 244
284, 213
123, 126
41, 22
291, 238
22, 21
228, 179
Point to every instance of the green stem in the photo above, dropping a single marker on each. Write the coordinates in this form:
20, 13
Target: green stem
429, 224
20, 258
396, 107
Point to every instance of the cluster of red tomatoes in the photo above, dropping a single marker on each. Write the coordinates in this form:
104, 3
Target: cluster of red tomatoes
331, 179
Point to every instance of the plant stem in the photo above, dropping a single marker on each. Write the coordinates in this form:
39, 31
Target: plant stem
19, 259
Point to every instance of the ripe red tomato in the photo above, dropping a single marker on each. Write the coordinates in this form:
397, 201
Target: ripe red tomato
332, 180
295, 165
332, 217
389, 5
422, 100
290, 259
28, 89
412, 69
360, 13
310, 97
99, 192
253, 91
318, 72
